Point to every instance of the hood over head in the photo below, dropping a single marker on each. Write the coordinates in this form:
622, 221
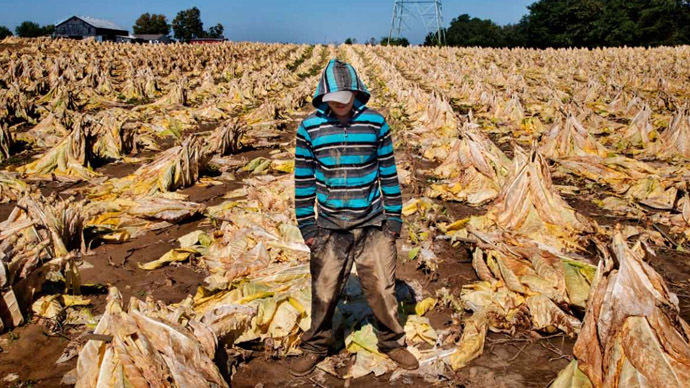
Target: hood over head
339, 76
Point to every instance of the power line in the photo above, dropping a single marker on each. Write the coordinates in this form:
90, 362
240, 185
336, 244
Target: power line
429, 12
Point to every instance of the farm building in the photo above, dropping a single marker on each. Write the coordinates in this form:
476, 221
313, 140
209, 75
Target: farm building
207, 40
80, 27
152, 38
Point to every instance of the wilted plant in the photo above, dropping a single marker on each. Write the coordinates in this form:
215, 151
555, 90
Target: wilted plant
6, 141
227, 138
71, 157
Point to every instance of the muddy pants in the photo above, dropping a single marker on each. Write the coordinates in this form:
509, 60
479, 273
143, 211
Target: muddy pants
333, 252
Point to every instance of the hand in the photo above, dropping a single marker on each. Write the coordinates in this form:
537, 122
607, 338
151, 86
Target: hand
391, 231
309, 241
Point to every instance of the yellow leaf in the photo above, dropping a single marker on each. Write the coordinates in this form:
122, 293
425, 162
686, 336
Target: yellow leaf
258, 295
47, 306
418, 329
411, 207
174, 255
422, 307
457, 225
190, 239
287, 166
571, 377
472, 342
297, 305
117, 237
74, 300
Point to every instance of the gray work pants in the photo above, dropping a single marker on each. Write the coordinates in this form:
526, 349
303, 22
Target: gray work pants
333, 252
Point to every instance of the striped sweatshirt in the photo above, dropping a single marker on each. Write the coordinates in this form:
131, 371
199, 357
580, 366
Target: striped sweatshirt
347, 170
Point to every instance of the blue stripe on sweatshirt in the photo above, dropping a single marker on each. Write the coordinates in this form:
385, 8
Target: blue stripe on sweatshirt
345, 181
390, 170
345, 160
353, 75
340, 137
330, 76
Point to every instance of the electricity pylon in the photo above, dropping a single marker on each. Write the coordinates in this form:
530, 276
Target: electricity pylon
428, 11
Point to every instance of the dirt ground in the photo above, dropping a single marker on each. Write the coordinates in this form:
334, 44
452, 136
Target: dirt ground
508, 361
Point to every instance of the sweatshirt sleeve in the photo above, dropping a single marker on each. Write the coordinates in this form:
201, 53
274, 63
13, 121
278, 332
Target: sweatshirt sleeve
388, 175
305, 184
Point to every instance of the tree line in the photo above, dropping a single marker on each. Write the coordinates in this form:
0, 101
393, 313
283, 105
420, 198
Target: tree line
27, 29
579, 23
385, 41
187, 25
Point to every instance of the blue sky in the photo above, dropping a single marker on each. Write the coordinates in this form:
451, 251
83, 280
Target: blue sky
299, 21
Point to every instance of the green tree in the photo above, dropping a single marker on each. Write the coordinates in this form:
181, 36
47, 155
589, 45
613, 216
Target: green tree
580, 23
5, 32
431, 38
592, 23
31, 30
215, 31
28, 30
48, 29
645, 23
187, 24
514, 35
563, 23
394, 42
151, 24
468, 31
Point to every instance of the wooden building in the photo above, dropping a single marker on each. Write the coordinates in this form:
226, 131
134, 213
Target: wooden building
81, 27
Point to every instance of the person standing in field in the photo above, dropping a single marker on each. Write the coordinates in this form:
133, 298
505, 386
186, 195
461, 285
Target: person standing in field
344, 163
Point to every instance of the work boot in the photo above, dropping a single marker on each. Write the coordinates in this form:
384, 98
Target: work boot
403, 358
304, 364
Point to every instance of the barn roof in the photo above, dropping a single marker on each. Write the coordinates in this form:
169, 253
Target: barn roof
98, 23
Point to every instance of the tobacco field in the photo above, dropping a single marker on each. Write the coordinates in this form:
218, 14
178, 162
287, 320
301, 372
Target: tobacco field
148, 235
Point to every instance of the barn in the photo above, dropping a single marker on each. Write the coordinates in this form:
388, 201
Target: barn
80, 27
